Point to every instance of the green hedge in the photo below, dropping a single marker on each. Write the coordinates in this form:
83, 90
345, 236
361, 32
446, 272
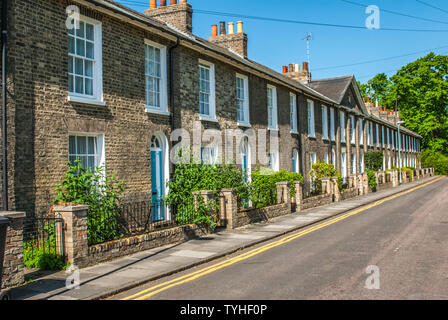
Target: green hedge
196, 177
322, 170
436, 160
373, 160
264, 185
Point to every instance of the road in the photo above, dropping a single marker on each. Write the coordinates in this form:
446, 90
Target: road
405, 240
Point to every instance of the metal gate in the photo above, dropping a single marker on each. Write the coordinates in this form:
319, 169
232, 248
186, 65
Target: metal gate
44, 235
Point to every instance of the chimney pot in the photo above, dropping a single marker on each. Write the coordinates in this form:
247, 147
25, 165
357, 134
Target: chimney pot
231, 28
183, 1
222, 28
285, 69
172, 2
297, 67
153, 4
214, 30
305, 67
239, 27
291, 67
162, 3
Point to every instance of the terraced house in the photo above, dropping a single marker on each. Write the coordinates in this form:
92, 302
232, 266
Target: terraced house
114, 90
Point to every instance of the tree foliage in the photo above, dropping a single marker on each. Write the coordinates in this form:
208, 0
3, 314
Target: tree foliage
422, 88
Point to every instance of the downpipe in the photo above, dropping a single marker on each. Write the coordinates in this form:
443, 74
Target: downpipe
4, 113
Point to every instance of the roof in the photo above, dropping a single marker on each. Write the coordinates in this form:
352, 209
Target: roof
334, 88
121, 9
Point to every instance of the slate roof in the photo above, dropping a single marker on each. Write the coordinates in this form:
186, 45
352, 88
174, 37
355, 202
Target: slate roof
333, 88
121, 9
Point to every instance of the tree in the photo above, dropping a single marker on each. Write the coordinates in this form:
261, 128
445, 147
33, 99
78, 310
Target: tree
422, 88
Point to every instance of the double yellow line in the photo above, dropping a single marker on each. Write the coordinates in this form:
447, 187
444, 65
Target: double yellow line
145, 294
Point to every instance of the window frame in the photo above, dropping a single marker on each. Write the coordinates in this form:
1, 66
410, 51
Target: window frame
324, 110
361, 131
163, 80
214, 159
293, 112
332, 125
246, 101
274, 112
100, 152
212, 94
342, 125
311, 119
97, 78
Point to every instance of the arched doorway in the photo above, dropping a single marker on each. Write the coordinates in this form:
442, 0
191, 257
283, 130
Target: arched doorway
245, 158
159, 176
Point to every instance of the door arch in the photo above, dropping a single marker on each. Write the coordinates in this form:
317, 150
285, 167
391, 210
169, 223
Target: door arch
159, 177
245, 158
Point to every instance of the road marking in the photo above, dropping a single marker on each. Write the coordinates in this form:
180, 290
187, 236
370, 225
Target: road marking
147, 293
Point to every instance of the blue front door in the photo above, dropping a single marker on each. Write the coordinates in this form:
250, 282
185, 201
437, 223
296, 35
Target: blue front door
157, 186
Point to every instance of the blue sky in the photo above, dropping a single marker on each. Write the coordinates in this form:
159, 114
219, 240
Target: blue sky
275, 44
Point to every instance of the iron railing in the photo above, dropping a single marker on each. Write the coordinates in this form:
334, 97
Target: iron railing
130, 218
43, 236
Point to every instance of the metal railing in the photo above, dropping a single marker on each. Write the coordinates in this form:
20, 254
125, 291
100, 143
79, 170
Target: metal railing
131, 218
43, 236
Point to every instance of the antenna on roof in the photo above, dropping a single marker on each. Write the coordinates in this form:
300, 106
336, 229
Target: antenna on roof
308, 38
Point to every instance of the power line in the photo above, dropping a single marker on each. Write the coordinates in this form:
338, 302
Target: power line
396, 13
432, 6
310, 23
228, 14
394, 70
378, 60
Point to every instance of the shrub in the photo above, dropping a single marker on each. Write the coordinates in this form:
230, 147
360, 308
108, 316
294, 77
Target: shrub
372, 179
264, 185
322, 170
373, 160
41, 258
195, 177
436, 160
100, 192
409, 172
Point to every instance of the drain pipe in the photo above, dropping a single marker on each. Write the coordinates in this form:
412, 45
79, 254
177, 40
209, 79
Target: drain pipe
4, 67
171, 88
171, 85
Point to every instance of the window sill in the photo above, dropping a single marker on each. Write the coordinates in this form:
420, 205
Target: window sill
208, 119
86, 101
294, 132
244, 124
159, 112
273, 129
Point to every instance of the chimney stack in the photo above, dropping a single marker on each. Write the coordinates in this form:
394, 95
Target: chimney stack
237, 42
295, 73
285, 69
179, 16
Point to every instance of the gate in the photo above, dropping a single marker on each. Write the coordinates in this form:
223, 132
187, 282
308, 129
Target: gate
43, 236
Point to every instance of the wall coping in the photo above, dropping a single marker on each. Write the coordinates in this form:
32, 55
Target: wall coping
12, 214
71, 208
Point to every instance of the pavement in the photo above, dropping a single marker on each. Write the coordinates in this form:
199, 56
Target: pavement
107, 279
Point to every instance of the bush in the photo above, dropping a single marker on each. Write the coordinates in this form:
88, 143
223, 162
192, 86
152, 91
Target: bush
41, 258
100, 192
409, 172
373, 160
372, 179
264, 185
322, 170
197, 177
436, 160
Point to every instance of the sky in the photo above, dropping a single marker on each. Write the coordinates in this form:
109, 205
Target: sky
276, 44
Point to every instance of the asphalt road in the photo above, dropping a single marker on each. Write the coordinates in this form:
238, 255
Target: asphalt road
406, 239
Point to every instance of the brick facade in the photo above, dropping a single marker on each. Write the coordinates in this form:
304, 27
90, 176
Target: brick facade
40, 117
